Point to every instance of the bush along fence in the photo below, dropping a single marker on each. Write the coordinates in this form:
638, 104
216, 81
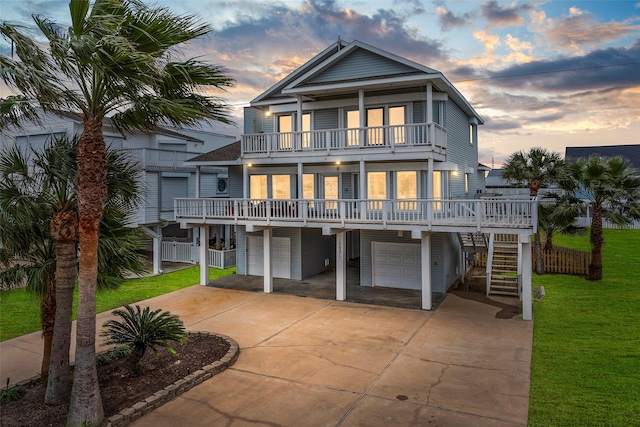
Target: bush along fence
557, 260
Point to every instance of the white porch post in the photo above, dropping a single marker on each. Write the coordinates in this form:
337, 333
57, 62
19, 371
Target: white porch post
268, 274
341, 266
425, 254
432, 130
363, 116
157, 251
363, 187
527, 306
430, 179
204, 252
245, 181
197, 182
300, 173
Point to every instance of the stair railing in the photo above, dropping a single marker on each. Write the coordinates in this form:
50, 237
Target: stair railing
489, 261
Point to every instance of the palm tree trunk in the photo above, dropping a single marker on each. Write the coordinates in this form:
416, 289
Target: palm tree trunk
64, 228
537, 244
85, 408
47, 320
597, 241
548, 244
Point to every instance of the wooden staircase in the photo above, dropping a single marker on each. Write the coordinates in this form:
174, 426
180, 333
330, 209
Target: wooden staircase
502, 268
473, 242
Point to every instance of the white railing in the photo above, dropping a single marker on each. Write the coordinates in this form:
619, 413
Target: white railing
584, 221
222, 258
476, 213
430, 135
152, 158
176, 251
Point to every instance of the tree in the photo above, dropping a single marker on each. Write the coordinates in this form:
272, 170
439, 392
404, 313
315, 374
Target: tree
38, 186
119, 58
611, 189
557, 216
536, 169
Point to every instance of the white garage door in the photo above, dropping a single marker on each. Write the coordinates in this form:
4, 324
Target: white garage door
280, 252
396, 265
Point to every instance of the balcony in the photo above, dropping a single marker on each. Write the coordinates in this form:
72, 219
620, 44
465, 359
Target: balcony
437, 215
430, 137
157, 159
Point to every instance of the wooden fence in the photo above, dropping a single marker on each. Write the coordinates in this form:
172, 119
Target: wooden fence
558, 260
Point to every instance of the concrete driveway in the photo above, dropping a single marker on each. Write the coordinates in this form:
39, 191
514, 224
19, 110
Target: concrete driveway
313, 362
310, 362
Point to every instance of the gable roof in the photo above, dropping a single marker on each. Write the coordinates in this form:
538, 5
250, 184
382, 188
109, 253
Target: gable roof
225, 155
629, 152
494, 179
336, 70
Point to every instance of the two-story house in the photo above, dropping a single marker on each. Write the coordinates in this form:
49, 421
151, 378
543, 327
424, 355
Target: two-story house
164, 175
360, 153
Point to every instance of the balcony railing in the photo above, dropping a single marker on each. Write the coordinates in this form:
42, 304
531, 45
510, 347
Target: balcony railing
153, 158
427, 135
493, 213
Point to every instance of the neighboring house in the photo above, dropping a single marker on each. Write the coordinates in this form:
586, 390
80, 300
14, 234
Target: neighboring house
359, 154
629, 152
161, 155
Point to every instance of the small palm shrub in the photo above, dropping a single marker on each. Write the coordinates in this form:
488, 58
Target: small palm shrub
140, 330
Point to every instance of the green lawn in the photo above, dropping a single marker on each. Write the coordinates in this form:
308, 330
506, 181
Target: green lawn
20, 310
586, 345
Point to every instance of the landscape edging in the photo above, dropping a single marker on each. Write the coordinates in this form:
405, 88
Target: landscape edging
180, 386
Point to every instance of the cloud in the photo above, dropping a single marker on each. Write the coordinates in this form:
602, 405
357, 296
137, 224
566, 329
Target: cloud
449, 21
596, 70
505, 101
501, 16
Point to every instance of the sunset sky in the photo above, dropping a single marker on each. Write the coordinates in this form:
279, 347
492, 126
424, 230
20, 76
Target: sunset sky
541, 73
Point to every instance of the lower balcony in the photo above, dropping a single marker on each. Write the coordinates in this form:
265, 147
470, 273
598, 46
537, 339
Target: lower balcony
436, 215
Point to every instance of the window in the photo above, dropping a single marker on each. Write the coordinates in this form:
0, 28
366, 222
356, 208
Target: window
331, 191
376, 188
308, 186
466, 182
406, 189
258, 186
353, 124
375, 121
306, 127
436, 112
472, 134
397, 119
281, 186
285, 126
437, 189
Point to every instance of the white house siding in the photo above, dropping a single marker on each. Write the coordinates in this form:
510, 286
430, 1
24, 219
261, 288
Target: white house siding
315, 249
361, 64
208, 185
451, 260
459, 150
369, 236
235, 182
326, 119
152, 198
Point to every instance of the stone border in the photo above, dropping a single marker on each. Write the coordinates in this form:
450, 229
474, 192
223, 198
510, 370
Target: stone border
174, 390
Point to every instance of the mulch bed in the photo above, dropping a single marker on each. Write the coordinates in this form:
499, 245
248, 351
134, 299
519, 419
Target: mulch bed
120, 388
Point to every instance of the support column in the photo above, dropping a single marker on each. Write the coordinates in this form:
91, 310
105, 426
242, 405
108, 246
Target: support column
157, 251
429, 102
430, 179
245, 181
268, 272
527, 306
363, 117
300, 185
362, 182
204, 255
198, 182
341, 266
425, 255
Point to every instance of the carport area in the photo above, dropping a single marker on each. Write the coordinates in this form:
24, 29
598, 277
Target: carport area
320, 362
323, 286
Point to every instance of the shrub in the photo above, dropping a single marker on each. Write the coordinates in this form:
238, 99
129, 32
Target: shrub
140, 330
8, 395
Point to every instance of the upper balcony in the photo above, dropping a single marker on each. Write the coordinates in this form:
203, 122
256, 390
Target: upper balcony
484, 215
164, 160
401, 140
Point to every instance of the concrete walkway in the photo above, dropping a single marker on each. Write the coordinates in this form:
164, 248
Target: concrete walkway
313, 362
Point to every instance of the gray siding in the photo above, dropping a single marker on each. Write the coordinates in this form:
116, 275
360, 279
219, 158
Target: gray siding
325, 119
235, 182
208, 185
451, 260
361, 64
152, 198
315, 249
256, 122
459, 149
418, 112
241, 249
346, 192
369, 236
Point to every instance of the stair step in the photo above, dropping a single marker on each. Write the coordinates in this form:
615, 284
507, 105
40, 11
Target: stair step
511, 294
503, 282
503, 289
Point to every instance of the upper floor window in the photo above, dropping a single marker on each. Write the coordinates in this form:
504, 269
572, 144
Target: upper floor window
406, 188
472, 134
376, 188
437, 113
258, 187
281, 186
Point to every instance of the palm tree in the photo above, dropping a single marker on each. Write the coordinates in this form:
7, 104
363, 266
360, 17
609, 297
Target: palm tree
118, 57
611, 189
37, 217
558, 214
536, 169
